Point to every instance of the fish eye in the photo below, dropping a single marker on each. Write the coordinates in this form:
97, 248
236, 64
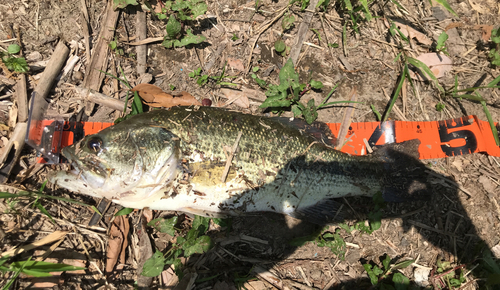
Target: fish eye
94, 144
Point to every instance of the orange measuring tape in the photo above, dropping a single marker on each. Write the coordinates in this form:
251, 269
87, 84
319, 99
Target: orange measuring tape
438, 139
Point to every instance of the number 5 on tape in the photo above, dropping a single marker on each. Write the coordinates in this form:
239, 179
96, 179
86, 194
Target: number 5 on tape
438, 139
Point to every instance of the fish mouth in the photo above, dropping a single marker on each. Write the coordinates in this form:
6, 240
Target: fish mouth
85, 168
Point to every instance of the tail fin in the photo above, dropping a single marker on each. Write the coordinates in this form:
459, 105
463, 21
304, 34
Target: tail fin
405, 179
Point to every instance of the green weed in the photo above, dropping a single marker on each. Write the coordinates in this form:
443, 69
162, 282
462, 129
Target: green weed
136, 107
28, 267
281, 47
113, 45
449, 275
193, 242
16, 64
179, 13
288, 22
495, 51
287, 94
123, 3
441, 46
323, 238
381, 277
202, 79
32, 268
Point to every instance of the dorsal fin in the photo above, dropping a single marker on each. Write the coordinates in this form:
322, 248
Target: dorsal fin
318, 130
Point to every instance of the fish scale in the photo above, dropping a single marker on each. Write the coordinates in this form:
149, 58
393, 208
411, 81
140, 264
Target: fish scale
279, 166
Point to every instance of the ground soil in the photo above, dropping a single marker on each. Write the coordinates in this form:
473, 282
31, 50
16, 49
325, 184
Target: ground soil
456, 225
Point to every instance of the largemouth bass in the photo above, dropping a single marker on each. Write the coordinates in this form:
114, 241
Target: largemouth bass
177, 159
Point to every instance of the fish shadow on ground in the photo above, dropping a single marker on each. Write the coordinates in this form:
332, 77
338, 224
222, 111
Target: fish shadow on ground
438, 216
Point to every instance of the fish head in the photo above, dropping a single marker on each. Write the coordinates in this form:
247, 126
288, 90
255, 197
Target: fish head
126, 163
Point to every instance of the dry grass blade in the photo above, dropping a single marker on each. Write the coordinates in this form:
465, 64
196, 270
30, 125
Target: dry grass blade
55, 236
346, 120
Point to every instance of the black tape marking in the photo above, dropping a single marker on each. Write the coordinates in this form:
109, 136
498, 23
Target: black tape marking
377, 133
446, 136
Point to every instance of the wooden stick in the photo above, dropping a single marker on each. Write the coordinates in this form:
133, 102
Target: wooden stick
146, 41
52, 70
101, 99
99, 61
22, 99
303, 29
141, 32
230, 158
15, 144
260, 30
346, 120
86, 32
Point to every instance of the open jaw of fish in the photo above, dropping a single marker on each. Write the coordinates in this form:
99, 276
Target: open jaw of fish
175, 160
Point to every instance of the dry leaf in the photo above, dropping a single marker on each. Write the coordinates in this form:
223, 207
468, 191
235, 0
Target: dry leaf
488, 185
410, 32
458, 164
439, 64
453, 25
239, 98
485, 31
236, 64
117, 242
153, 96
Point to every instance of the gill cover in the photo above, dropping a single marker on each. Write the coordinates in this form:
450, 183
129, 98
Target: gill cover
123, 164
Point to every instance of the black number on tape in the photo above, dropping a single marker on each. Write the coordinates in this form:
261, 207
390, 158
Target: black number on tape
467, 135
388, 129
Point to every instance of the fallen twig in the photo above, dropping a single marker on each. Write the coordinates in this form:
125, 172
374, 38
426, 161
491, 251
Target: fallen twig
230, 158
260, 31
16, 143
99, 61
101, 99
301, 34
141, 32
52, 70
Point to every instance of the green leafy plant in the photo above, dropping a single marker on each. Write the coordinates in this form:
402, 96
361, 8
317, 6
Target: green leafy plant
324, 238
16, 64
440, 106
381, 277
451, 276
202, 79
334, 241
281, 47
32, 268
490, 269
287, 94
113, 45
193, 242
123, 3
495, 51
180, 12
287, 22
136, 107
441, 46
